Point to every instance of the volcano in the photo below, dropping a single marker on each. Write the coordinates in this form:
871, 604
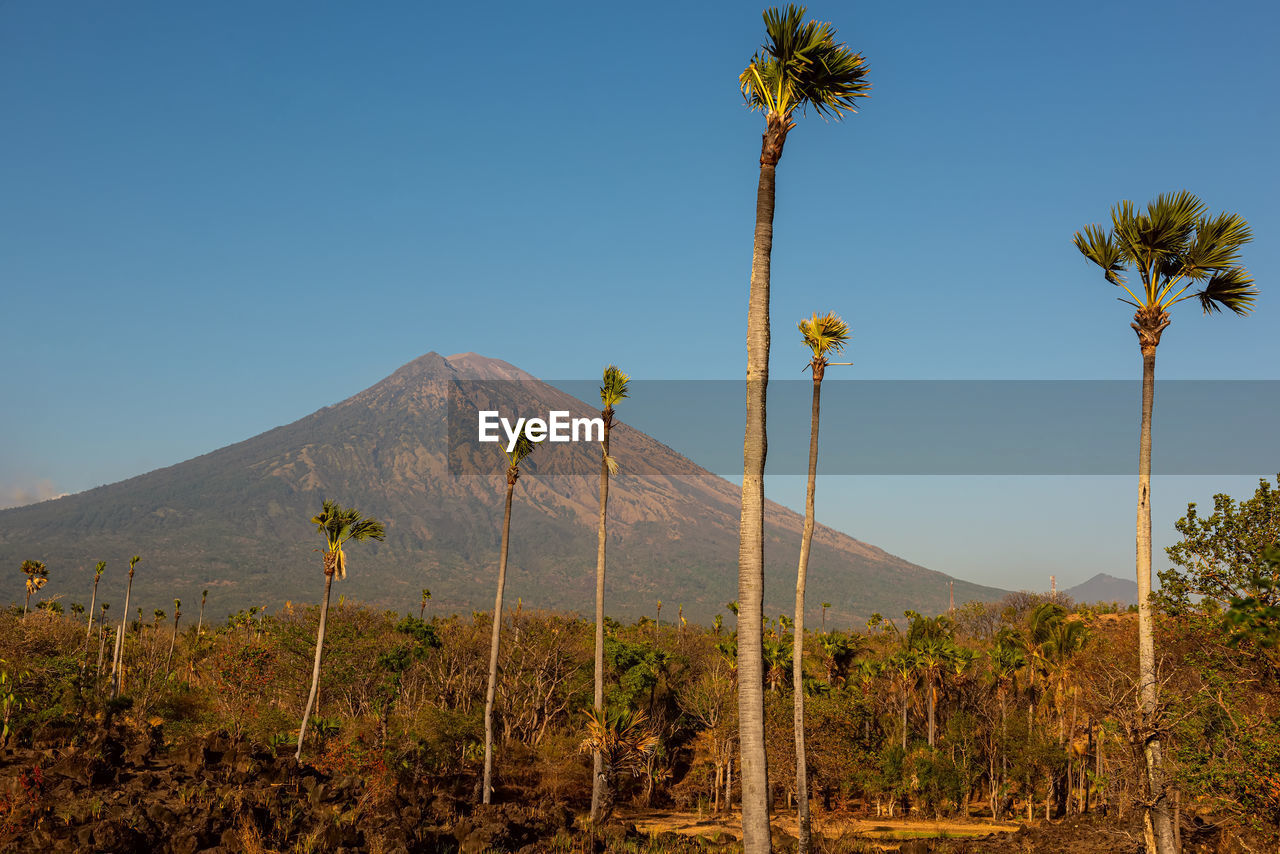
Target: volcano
235, 521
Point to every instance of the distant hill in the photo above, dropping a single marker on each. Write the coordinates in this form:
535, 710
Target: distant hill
1105, 588
235, 521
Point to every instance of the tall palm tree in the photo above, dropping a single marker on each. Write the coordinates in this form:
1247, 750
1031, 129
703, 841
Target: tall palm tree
613, 389
37, 577
1179, 252
422, 611
523, 448
338, 526
932, 657
117, 664
823, 336
902, 664
97, 576
799, 67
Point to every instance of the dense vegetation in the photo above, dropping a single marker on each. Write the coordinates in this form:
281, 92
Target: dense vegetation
1018, 709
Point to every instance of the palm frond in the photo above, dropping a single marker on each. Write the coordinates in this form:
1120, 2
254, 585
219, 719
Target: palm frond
611, 464
824, 335
1232, 288
523, 448
614, 387
623, 737
1171, 220
1101, 248
1216, 245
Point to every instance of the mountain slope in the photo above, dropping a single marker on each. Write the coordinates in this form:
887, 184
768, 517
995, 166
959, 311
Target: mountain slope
235, 520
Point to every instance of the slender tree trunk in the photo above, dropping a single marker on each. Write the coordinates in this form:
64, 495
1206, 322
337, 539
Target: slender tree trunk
117, 685
728, 786
88, 632
598, 780
1161, 839
26, 604
115, 654
486, 792
797, 647
102, 649
933, 705
200, 622
904, 716
172, 642
1177, 821
755, 766
315, 666
1084, 769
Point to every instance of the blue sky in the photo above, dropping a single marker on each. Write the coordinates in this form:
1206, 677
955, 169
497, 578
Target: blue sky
217, 218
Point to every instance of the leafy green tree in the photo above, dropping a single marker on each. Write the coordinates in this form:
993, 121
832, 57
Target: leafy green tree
823, 336
1221, 554
1255, 615
799, 67
337, 525
420, 639
522, 449
613, 389
37, 577
1179, 252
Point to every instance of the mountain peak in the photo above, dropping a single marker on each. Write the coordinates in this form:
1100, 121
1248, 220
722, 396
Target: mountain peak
473, 366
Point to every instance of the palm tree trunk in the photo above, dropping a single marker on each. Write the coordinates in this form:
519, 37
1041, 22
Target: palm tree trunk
115, 653
1161, 839
599, 781
117, 670
102, 650
172, 641
486, 792
27, 604
797, 646
88, 632
933, 705
755, 765
904, 716
315, 666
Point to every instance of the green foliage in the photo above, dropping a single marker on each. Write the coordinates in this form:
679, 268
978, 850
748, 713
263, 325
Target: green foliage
634, 668
1173, 245
800, 66
1221, 555
1256, 616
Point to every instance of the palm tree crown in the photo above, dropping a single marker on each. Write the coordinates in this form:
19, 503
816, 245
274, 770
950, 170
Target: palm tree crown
798, 67
825, 336
1179, 251
614, 387
338, 525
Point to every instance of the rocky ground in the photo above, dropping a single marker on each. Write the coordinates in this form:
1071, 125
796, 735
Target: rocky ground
222, 795
122, 792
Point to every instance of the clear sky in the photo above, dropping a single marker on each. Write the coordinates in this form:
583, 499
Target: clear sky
217, 218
